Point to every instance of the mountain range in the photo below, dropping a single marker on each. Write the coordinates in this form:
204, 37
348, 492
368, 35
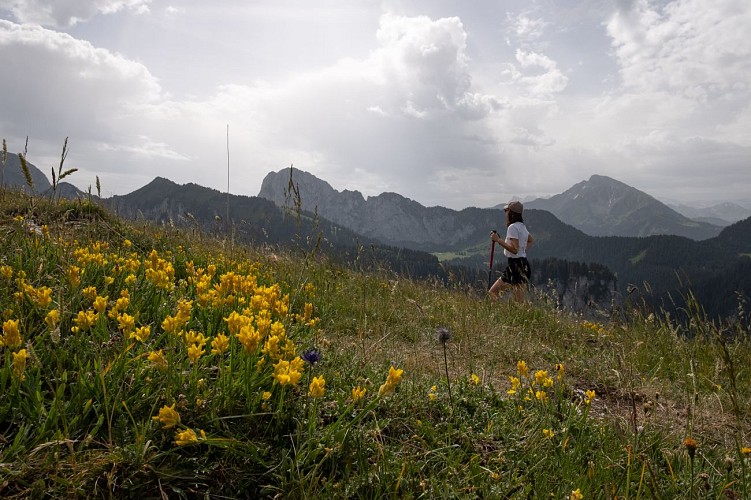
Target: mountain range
664, 266
602, 206
297, 210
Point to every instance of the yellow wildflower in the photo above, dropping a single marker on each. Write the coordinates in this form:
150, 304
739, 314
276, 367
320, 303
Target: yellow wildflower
236, 321
84, 320
141, 334
317, 387
170, 324
541, 396
266, 395
197, 338
432, 393
307, 311
100, 304
186, 437
561, 370
219, 344
576, 495
392, 380
358, 393
589, 396
289, 372
89, 293
19, 363
184, 308
121, 304
515, 384
522, 369
126, 322
158, 360
195, 351
249, 338
475, 379
6, 272
272, 346
548, 433
52, 318
11, 333
168, 416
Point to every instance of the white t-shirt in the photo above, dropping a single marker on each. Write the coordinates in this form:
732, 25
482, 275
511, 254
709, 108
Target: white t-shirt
518, 231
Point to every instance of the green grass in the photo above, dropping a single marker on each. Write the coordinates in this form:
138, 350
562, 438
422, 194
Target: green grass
88, 413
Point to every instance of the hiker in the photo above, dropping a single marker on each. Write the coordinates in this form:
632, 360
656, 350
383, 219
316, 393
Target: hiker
518, 240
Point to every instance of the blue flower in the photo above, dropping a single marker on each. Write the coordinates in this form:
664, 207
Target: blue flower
312, 356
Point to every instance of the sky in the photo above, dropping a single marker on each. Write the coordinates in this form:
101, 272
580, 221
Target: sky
449, 103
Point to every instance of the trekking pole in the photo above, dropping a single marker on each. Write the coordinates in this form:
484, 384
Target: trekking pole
490, 270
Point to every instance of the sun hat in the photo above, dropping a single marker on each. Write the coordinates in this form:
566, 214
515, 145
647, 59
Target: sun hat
515, 206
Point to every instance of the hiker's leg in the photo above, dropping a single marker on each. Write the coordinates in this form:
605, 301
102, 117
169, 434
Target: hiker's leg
498, 288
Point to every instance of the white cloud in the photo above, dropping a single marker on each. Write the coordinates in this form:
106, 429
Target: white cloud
696, 47
66, 13
57, 82
425, 105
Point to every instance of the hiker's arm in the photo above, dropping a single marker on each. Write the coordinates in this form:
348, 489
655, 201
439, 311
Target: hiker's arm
512, 245
530, 241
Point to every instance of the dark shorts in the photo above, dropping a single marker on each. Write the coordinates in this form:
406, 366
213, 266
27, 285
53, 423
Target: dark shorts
517, 271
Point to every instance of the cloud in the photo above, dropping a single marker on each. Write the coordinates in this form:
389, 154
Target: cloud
66, 13
418, 108
696, 47
56, 82
408, 114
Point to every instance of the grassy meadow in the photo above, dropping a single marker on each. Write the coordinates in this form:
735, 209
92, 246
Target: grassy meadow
148, 362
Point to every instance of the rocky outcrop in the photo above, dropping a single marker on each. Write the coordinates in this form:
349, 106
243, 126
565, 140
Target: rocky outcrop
388, 217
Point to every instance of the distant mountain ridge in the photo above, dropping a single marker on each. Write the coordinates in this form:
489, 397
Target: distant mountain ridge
715, 270
714, 267
11, 175
388, 217
602, 206
720, 214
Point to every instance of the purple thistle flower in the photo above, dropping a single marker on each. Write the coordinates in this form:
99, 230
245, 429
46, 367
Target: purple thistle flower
312, 356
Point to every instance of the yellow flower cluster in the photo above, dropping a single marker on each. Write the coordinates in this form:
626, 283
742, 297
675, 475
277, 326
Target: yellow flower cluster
102, 290
168, 416
159, 271
589, 396
11, 334
537, 385
19, 364
289, 372
432, 394
317, 387
392, 380
358, 393
595, 327
40, 297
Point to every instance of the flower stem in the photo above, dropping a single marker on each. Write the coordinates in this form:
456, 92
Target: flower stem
448, 380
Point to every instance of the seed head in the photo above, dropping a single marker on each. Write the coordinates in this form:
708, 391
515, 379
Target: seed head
691, 445
443, 334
